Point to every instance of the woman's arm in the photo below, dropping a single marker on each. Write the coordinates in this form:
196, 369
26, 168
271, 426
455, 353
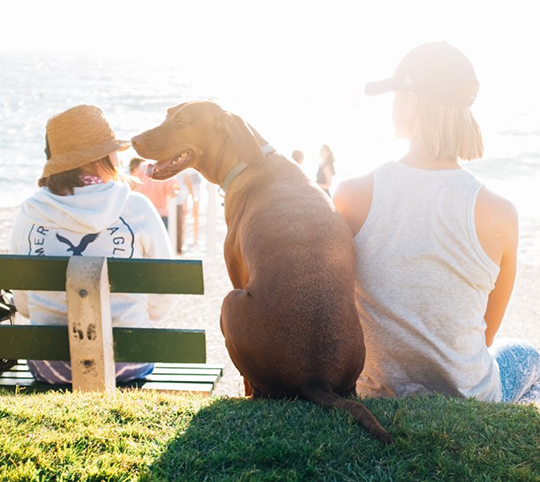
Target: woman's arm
500, 296
19, 234
498, 231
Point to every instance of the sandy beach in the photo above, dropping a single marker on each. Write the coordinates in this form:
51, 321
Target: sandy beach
522, 319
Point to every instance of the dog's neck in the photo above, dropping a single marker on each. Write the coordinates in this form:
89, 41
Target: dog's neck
216, 163
240, 167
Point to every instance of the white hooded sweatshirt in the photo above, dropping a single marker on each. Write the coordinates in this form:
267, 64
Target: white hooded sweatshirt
98, 220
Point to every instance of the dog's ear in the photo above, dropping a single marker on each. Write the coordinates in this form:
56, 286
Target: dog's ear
242, 138
173, 110
260, 139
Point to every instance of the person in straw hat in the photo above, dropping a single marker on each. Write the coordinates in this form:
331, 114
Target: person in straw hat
436, 250
83, 209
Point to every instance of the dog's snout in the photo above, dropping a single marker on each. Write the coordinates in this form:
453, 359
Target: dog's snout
136, 141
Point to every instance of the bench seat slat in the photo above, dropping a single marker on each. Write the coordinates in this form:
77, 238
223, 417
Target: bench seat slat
164, 276
181, 378
16, 374
34, 342
159, 369
191, 378
20, 377
186, 371
207, 366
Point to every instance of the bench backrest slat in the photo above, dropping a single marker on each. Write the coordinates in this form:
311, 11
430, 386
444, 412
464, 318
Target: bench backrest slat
161, 345
21, 272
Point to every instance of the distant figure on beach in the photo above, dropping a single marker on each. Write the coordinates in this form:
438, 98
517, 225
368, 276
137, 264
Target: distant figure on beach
189, 190
436, 250
156, 191
298, 156
82, 209
326, 169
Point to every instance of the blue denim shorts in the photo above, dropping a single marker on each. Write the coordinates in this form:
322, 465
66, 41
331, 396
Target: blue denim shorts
59, 372
519, 367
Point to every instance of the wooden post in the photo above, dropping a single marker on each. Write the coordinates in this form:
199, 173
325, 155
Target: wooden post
90, 324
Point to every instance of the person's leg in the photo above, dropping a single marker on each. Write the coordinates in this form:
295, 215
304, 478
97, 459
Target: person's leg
196, 221
179, 227
532, 394
184, 218
126, 372
196, 194
53, 372
519, 367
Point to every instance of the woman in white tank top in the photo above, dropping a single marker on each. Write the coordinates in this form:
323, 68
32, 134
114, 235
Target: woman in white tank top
436, 250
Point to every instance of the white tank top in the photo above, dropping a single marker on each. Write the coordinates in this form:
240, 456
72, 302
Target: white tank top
423, 286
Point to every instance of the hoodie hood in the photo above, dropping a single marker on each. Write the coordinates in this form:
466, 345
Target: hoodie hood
91, 209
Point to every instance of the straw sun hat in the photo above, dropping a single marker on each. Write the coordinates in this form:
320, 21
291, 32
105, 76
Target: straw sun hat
77, 137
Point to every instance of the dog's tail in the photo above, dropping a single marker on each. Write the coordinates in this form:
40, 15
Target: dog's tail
321, 393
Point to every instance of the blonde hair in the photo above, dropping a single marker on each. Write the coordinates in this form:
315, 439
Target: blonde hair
450, 132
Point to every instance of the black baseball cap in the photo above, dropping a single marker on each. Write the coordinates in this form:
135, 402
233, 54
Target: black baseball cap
436, 72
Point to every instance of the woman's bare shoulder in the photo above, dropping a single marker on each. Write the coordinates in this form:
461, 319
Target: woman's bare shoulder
497, 224
354, 189
353, 200
496, 207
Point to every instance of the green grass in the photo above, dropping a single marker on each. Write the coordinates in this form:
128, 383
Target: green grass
152, 437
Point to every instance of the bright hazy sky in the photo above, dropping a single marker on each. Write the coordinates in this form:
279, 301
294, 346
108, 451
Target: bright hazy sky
277, 51
331, 40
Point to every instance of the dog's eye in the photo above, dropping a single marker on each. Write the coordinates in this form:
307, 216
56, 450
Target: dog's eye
181, 122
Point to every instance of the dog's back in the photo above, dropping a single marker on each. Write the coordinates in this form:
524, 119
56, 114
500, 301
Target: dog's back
299, 260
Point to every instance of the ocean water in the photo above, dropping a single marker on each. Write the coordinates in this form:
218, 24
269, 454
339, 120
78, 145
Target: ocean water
135, 96
35, 87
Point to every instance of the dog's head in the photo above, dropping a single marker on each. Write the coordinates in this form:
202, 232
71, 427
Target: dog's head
198, 134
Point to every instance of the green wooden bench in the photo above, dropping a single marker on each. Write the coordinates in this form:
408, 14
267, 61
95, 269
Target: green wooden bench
89, 341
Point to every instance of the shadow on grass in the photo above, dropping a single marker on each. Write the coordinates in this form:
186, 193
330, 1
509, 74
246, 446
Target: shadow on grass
437, 439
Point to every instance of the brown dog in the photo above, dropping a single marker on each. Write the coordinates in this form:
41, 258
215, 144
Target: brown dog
290, 325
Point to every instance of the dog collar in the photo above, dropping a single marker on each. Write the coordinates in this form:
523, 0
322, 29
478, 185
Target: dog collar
240, 168
267, 149
233, 174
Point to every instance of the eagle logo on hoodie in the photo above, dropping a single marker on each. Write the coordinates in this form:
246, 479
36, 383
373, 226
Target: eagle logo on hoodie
78, 250
116, 241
